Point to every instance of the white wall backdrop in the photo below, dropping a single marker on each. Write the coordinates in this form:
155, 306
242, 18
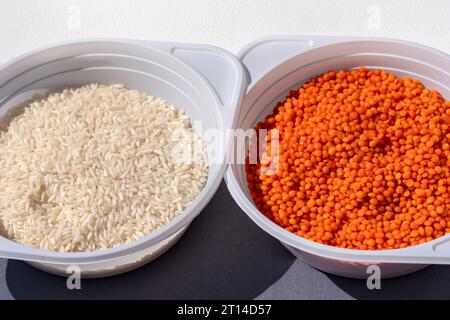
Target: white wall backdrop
27, 24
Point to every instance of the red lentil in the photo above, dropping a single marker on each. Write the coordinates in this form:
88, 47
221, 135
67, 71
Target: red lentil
363, 162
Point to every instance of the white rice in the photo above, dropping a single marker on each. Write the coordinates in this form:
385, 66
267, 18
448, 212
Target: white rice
96, 167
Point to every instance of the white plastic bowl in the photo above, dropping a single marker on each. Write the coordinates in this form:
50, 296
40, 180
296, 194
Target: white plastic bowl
278, 64
207, 82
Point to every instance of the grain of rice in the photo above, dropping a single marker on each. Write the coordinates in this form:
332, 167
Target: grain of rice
96, 167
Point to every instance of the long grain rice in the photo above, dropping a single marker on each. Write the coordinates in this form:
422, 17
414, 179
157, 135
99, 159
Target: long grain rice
96, 167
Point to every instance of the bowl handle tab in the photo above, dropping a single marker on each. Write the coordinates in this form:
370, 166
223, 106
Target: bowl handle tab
264, 54
12, 250
433, 252
221, 69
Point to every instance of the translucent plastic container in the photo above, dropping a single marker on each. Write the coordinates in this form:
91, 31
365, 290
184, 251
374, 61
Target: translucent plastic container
278, 64
207, 82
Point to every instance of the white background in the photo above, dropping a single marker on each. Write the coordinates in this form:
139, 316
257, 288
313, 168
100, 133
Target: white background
27, 24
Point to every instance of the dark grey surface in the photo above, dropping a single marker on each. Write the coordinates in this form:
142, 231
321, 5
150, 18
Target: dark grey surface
223, 255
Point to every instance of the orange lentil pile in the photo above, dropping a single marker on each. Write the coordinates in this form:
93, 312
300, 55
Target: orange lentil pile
363, 162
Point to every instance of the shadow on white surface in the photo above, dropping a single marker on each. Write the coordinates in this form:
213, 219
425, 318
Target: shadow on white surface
430, 283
